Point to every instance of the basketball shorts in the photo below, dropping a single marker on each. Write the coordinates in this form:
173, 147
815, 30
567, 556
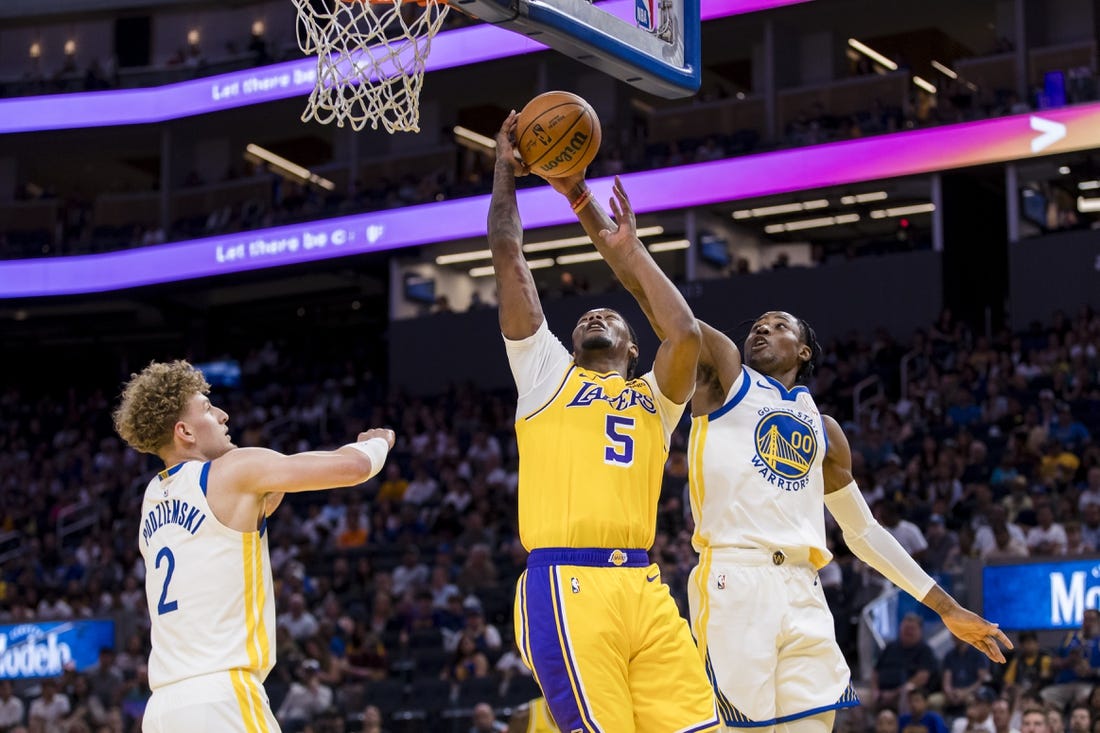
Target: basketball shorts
766, 637
604, 640
229, 702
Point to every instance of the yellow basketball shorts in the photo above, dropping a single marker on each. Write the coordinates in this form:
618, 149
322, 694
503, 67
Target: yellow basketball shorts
766, 636
604, 639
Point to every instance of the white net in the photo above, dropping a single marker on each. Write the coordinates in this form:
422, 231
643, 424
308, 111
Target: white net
370, 60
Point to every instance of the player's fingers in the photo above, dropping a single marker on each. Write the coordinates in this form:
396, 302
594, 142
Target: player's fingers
615, 208
622, 189
1004, 640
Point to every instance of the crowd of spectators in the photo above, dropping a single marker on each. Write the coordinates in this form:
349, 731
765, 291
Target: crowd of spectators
395, 598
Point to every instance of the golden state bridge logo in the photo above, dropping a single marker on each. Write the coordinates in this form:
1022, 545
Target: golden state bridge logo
785, 450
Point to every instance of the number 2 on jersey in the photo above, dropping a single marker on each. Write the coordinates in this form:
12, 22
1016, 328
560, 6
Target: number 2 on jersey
164, 606
621, 452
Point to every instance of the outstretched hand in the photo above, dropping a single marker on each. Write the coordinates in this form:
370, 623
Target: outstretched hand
506, 146
625, 234
984, 636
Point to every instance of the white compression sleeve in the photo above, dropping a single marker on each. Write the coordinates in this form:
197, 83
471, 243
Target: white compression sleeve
873, 544
376, 449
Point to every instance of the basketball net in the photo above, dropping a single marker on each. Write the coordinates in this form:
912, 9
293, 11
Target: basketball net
370, 60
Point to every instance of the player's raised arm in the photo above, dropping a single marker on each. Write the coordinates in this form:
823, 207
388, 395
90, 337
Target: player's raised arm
520, 309
659, 299
875, 546
262, 471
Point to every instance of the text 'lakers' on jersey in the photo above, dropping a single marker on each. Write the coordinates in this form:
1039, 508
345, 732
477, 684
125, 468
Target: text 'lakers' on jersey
209, 588
755, 470
592, 450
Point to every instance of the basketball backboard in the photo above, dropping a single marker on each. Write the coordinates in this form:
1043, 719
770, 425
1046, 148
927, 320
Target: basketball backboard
651, 44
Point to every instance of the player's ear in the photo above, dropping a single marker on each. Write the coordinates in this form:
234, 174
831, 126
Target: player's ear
805, 353
183, 431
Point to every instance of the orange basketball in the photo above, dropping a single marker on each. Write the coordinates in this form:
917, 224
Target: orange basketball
558, 134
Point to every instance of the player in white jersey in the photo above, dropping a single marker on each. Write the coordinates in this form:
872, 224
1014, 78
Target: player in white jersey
764, 463
204, 540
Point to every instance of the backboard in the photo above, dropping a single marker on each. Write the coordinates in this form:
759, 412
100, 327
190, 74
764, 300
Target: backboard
651, 44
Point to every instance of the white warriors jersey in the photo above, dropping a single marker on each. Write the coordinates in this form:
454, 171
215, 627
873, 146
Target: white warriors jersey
755, 470
209, 588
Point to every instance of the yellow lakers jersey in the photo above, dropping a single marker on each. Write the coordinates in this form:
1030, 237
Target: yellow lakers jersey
592, 450
211, 599
539, 719
755, 470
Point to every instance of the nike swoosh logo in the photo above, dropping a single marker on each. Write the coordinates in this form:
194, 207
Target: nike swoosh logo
763, 384
650, 580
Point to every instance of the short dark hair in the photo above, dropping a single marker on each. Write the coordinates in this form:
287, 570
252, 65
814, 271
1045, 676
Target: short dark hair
809, 337
632, 365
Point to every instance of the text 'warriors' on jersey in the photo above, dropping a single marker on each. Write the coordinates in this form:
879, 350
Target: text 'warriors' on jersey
755, 469
209, 588
592, 450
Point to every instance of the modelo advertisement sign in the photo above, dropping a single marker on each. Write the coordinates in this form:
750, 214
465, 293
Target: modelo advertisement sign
1040, 595
42, 649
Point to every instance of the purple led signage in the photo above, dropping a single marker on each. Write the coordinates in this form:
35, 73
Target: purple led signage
280, 81
867, 159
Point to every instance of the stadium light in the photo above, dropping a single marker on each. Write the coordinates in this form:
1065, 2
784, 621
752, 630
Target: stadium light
924, 84
469, 138
670, 246
872, 54
292, 169
945, 70
864, 198
1088, 206
533, 264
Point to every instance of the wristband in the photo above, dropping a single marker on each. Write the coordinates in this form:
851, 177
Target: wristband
376, 449
581, 201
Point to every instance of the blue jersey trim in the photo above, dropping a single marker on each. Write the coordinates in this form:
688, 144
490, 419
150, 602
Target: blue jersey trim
591, 557
789, 395
170, 471
733, 401
848, 700
263, 522
203, 475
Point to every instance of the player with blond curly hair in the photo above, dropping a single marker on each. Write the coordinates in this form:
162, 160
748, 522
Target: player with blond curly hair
203, 537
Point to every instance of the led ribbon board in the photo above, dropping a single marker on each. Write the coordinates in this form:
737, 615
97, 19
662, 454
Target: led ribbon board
281, 81
851, 161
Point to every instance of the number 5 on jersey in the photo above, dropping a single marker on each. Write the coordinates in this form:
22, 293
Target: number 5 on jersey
621, 450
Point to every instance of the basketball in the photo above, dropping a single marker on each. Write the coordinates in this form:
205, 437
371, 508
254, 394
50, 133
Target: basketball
558, 134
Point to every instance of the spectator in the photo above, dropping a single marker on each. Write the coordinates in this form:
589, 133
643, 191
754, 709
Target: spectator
298, 621
905, 532
372, 720
394, 487
920, 714
1076, 545
886, 721
485, 635
441, 587
478, 571
1056, 721
467, 662
1002, 717
11, 707
979, 713
1049, 537
965, 669
411, 573
484, 720
1031, 668
984, 540
1077, 665
47, 713
1034, 721
1080, 719
942, 545
307, 698
907, 663
422, 489
354, 533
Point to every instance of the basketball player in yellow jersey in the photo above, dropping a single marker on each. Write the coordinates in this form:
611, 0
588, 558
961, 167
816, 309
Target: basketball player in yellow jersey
534, 717
601, 634
764, 464
203, 537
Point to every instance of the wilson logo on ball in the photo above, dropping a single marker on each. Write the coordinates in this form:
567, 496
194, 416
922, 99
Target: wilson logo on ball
575, 146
